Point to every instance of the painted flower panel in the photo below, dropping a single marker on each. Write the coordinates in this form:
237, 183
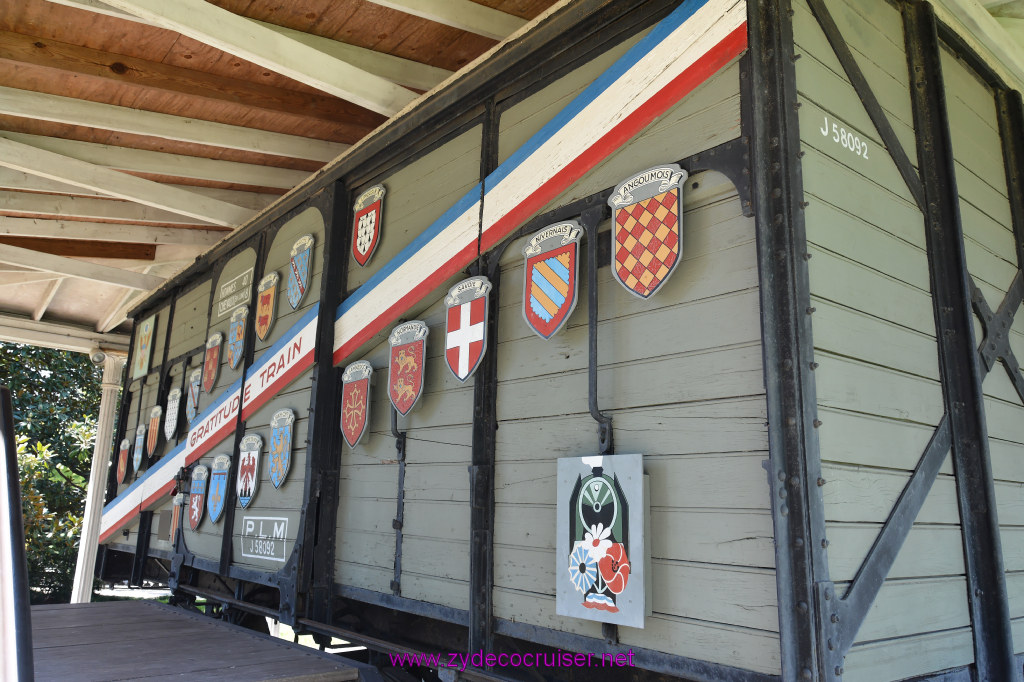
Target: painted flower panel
582, 568
614, 568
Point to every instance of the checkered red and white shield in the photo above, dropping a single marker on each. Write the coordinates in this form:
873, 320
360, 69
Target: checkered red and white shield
647, 228
466, 331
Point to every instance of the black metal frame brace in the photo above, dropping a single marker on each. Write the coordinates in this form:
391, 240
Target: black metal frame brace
399, 521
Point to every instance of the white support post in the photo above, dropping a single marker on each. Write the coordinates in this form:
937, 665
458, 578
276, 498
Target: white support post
81, 593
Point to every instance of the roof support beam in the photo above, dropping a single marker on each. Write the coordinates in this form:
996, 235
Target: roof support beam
31, 52
29, 159
256, 43
15, 329
44, 302
41, 106
460, 14
89, 208
13, 279
161, 163
107, 232
395, 69
35, 260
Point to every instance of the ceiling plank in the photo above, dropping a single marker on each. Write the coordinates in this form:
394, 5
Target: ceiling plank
16, 329
37, 105
16, 180
11, 279
461, 14
146, 161
352, 122
108, 232
395, 69
44, 302
88, 208
81, 248
29, 159
76, 268
256, 43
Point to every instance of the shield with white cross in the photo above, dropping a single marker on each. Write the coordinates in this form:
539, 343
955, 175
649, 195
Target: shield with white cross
465, 338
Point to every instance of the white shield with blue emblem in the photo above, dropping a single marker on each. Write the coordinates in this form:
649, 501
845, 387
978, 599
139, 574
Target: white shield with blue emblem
236, 335
218, 495
298, 278
280, 445
140, 440
192, 403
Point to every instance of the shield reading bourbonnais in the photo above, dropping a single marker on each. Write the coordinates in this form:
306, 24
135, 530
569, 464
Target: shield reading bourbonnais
465, 338
122, 460
647, 227
153, 437
140, 441
197, 496
298, 280
248, 468
405, 369
218, 486
236, 335
551, 277
366, 225
171, 418
266, 305
355, 401
280, 445
192, 403
211, 362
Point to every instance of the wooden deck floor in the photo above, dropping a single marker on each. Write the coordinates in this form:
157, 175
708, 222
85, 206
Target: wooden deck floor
144, 640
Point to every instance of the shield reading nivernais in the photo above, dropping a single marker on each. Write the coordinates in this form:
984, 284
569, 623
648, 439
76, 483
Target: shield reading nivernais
406, 364
551, 277
266, 305
355, 401
153, 436
140, 441
122, 460
298, 280
248, 468
236, 335
192, 404
197, 496
280, 445
218, 495
211, 362
647, 227
367, 223
171, 418
465, 338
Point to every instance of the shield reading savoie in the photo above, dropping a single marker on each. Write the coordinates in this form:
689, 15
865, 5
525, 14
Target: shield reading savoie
465, 338
211, 361
236, 335
647, 228
248, 468
218, 495
406, 365
171, 417
192, 403
355, 401
266, 305
281, 445
122, 460
367, 223
197, 496
153, 435
551, 278
298, 279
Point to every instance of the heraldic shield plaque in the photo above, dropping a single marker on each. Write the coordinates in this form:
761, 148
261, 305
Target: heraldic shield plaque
366, 224
599, 570
551, 274
406, 364
355, 401
647, 228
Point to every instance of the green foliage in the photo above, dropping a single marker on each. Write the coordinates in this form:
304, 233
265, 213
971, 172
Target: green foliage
56, 396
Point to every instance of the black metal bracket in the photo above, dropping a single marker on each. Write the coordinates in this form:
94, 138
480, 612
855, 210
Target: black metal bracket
399, 521
591, 219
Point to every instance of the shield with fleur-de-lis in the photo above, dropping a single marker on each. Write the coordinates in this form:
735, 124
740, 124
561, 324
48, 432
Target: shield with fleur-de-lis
236, 335
355, 401
280, 445
197, 496
366, 225
218, 495
298, 279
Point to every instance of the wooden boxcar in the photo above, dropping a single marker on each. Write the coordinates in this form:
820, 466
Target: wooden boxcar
823, 387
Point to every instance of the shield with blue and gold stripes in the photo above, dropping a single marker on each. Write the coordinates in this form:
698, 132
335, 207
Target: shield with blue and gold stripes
551, 282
